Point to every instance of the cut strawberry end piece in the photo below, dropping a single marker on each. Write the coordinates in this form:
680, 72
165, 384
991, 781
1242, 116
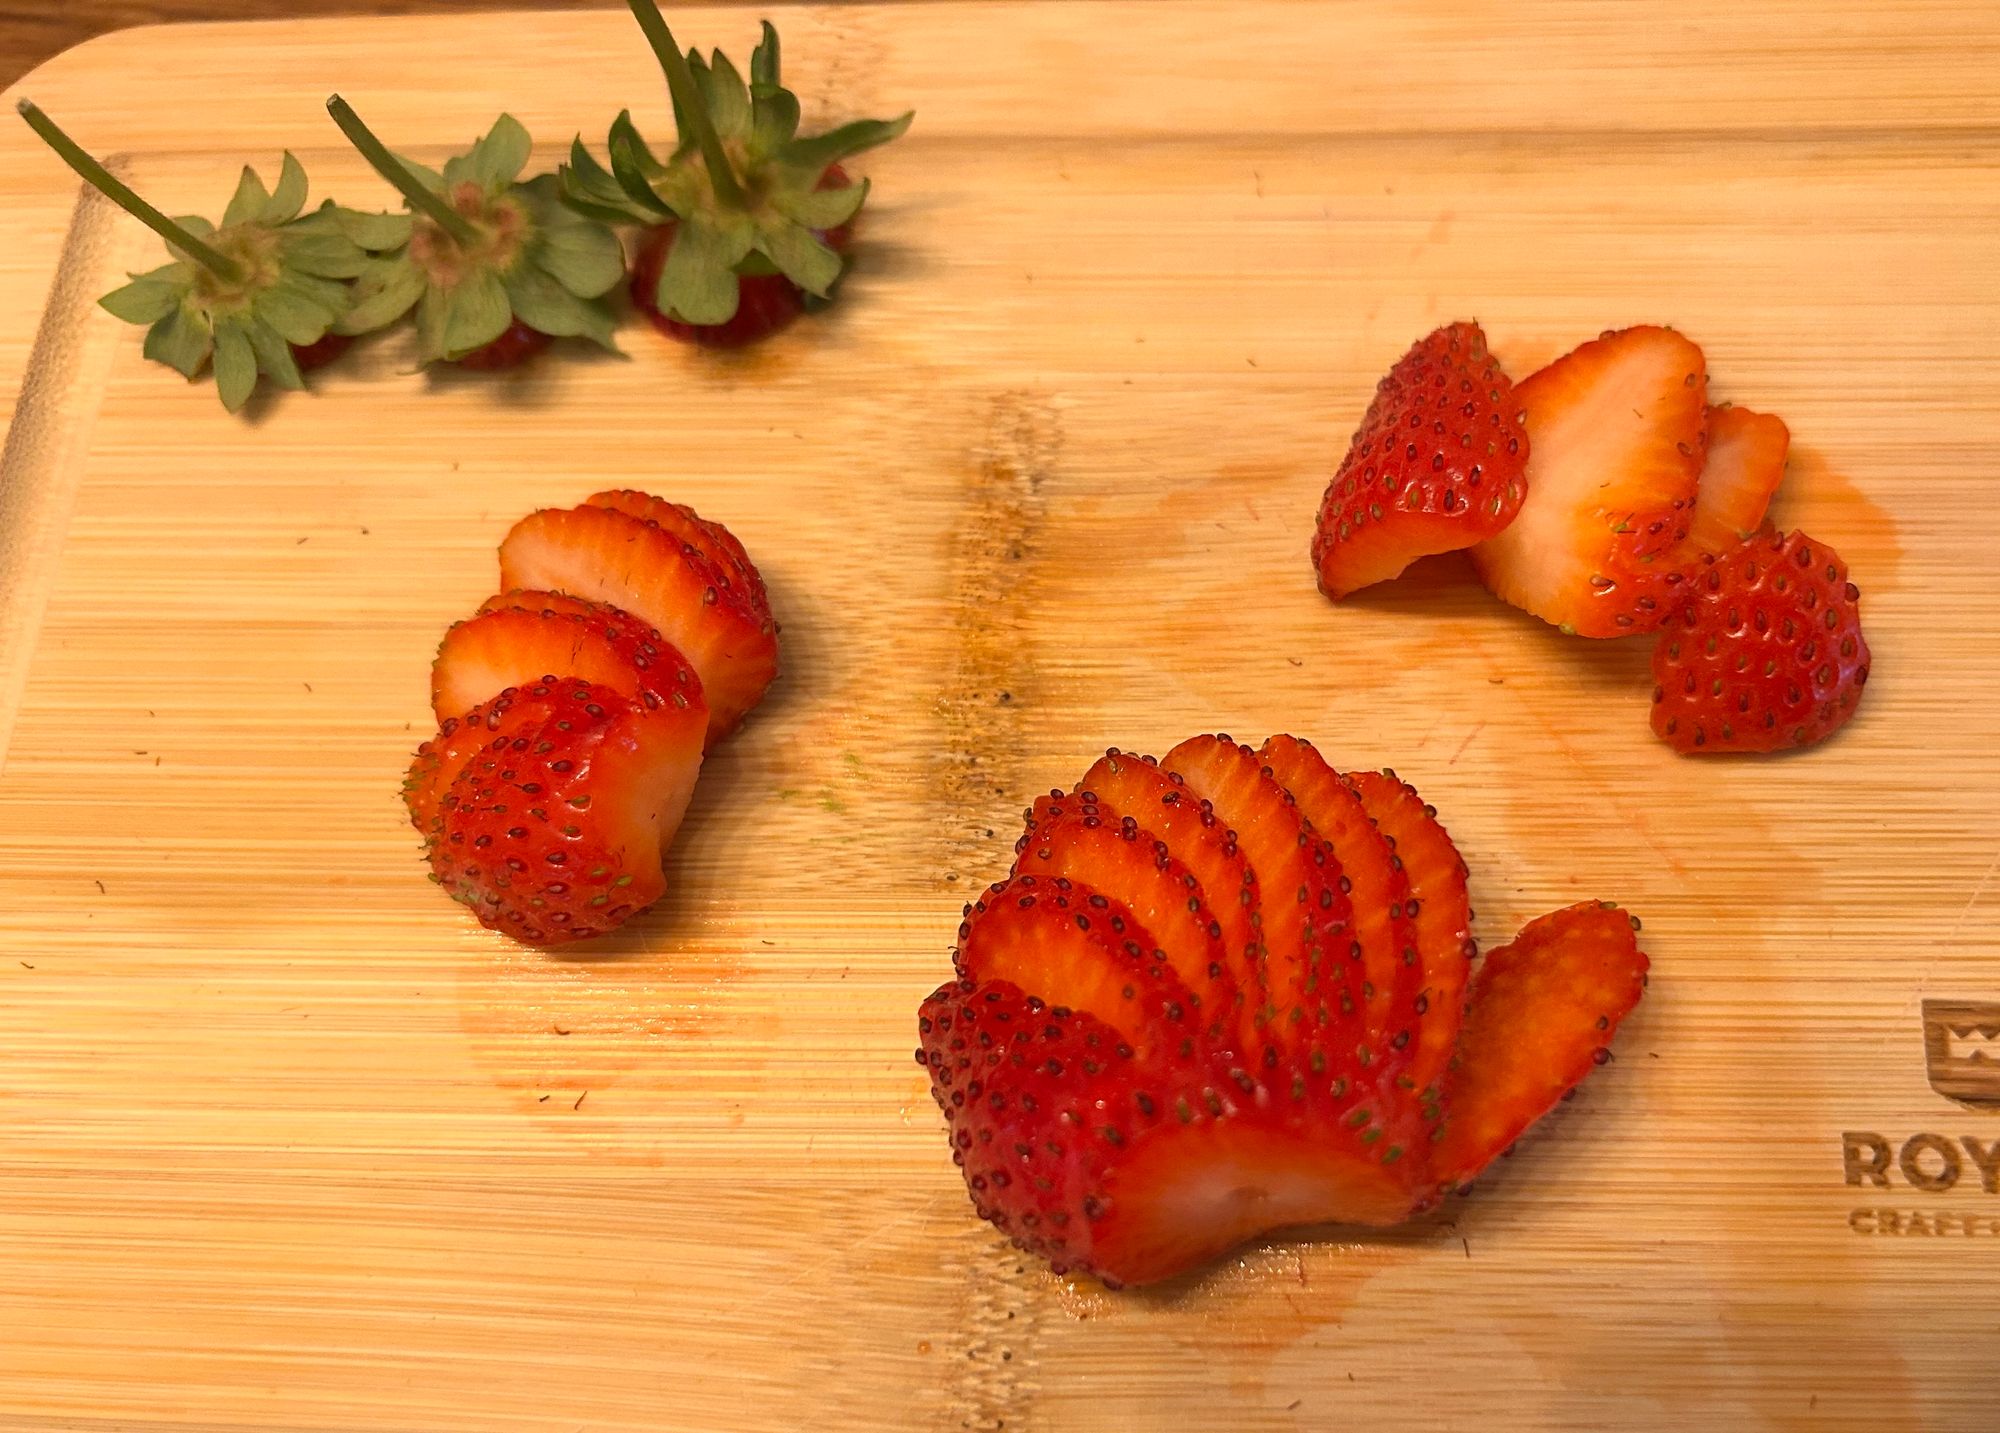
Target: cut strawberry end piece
613, 557
1746, 463
1542, 1013
1441, 916
532, 635
438, 761
735, 573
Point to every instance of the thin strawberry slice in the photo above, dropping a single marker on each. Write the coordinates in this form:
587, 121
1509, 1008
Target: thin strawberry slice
439, 760
1077, 948
1542, 1013
1746, 463
1378, 890
553, 830
733, 571
532, 635
1435, 466
610, 556
1130, 1169
1312, 981
1617, 437
1440, 912
1138, 872
1133, 789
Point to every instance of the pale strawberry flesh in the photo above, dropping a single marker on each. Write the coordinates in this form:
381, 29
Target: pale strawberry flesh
1746, 463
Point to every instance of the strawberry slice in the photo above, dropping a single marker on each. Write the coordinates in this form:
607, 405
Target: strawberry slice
1136, 871
1437, 465
717, 545
1617, 437
1379, 890
439, 760
1130, 1169
636, 565
553, 829
1766, 654
1313, 983
1440, 915
1543, 1011
1746, 462
1077, 948
527, 636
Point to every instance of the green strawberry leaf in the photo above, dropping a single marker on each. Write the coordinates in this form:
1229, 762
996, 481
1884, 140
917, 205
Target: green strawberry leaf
476, 312
498, 159
377, 233
181, 340
764, 60
290, 195
584, 258
327, 253
589, 189
821, 209
541, 301
800, 256
248, 202
235, 364
634, 166
728, 99
149, 297
296, 317
774, 119
698, 281
384, 293
432, 313
821, 150
274, 355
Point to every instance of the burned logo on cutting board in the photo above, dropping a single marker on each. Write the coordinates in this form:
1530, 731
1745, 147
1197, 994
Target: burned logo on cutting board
1962, 1050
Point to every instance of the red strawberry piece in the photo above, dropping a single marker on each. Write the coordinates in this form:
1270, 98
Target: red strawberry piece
1134, 869
439, 760
321, 351
1131, 1169
1312, 968
511, 349
554, 828
1436, 466
1439, 909
528, 636
765, 301
1133, 789
1378, 890
1767, 653
636, 565
715, 544
1617, 435
1079, 949
1746, 462
1543, 1011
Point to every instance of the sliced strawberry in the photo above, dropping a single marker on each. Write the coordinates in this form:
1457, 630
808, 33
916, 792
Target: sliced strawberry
1079, 949
554, 828
1542, 1012
439, 760
1616, 428
1746, 462
1441, 915
610, 556
532, 635
1437, 464
1137, 872
1304, 917
727, 563
1131, 1169
1766, 654
1377, 887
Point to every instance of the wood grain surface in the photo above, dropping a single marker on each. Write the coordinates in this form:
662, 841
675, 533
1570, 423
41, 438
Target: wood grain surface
285, 1143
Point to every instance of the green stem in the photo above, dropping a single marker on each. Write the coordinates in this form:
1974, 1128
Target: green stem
687, 94
102, 180
397, 173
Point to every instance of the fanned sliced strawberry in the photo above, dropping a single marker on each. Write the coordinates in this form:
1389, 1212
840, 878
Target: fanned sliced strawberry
532, 635
633, 564
1377, 888
1441, 915
734, 572
1313, 976
1129, 1169
1746, 462
1077, 948
439, 760
1134, 789
1132, 868
554, 828
1616, 429
1435, 466
1543, 1011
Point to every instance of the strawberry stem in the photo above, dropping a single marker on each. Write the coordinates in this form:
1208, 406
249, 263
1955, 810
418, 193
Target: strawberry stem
688, 96
105, 183
397, 173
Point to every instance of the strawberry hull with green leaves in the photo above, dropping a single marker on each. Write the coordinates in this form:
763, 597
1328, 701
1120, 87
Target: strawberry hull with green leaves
747, 222
1133, 1087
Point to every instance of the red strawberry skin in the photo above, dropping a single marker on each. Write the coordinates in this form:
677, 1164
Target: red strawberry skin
1439, 464
1766, 654
510, 350
765, 303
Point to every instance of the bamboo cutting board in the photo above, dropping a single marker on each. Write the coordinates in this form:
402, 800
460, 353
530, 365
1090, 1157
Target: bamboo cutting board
286, 1144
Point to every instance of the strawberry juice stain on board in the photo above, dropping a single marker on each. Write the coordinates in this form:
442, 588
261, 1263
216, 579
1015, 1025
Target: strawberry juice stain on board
1825, 502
